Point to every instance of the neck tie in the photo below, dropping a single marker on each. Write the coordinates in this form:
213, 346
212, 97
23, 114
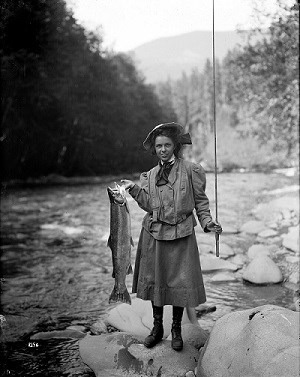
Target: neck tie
163, 174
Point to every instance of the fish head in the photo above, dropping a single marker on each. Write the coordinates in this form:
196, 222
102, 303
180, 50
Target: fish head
117, 194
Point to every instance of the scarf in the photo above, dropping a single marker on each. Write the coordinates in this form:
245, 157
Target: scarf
163, 174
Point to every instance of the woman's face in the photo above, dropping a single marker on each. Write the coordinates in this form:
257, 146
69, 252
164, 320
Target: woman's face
164, 148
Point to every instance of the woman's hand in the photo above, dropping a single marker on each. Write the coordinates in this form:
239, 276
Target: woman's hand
127, 183
214, 227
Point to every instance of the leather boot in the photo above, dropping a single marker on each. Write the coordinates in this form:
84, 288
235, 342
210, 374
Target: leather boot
177, 343
157, 332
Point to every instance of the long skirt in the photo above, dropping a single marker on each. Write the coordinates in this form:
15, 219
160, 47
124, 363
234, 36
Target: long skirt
168, 272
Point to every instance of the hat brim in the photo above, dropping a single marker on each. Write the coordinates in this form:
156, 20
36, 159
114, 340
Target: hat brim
173, 126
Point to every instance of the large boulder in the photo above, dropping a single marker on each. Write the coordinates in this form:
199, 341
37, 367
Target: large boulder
259, 342
262, 270
137, 318
121, 354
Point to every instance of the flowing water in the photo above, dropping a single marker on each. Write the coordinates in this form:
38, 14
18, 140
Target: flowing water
56, 267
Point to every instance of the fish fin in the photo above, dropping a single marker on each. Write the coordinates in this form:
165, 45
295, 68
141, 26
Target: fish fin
116, 296
129, 269
109, 242
131, 241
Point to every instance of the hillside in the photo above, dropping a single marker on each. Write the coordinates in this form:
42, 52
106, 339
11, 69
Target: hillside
169, 56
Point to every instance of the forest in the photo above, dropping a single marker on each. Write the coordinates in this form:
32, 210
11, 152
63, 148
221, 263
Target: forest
71, 107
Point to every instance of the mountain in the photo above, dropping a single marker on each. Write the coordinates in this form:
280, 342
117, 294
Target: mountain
169, 56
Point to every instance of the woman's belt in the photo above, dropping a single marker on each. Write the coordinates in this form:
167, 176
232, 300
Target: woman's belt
179, 220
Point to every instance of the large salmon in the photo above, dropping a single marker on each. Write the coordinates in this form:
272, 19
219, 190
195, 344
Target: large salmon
120, 242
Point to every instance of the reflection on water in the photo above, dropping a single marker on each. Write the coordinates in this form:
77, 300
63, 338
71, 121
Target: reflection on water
57, 267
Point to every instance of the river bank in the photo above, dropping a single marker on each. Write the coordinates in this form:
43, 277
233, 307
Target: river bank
57, 267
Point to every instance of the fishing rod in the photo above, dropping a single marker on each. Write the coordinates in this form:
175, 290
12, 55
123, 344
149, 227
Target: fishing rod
215, 125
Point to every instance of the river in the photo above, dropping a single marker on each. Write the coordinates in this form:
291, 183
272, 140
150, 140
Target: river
56, 267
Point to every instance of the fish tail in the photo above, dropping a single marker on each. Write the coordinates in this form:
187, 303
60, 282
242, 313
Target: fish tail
116, 296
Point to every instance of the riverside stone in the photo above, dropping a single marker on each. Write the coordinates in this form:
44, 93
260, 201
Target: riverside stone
121, 354
294, 277
211, 263
204, 309
267, 233
262, 270
137, 319
291, 239
63, 334
253, 227
222, 277
193, 335
239, 260
98, 327
256, 250
262, 341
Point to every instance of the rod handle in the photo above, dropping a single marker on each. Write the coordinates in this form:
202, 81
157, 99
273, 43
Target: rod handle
217, 236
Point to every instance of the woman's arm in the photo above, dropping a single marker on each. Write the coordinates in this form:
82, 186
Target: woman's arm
202, 201
140, 193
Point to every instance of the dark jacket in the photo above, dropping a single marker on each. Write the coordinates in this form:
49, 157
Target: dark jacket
170, 207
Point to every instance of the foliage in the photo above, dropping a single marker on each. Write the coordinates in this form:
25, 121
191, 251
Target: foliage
256, 98
68, 106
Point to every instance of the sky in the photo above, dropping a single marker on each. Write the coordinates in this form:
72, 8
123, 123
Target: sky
126, 24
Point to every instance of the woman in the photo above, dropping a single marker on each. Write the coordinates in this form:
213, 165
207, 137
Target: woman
167, 267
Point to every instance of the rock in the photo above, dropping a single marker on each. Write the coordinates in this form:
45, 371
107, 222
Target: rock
277, 240
211, 263
221, 277
267, 233
256, 342
204, 309
292, 259
137, 319
262, 270
121, 354
253, 227
239, 260
294, 277
77, 328
62, 334
193, 335
190, 374
291, 239
256, 250
98, 327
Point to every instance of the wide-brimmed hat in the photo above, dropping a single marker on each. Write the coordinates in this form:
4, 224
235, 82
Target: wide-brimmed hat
184, 138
